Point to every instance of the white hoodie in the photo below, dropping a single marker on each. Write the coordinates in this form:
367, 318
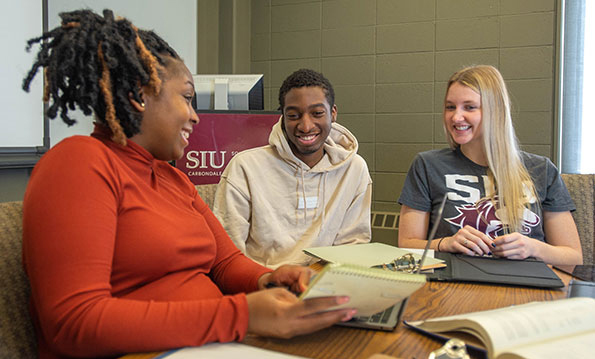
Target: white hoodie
260, 199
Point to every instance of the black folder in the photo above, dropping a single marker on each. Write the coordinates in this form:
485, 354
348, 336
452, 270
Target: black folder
462, 268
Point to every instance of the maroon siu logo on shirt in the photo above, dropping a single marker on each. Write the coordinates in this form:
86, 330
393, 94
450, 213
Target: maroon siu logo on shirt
482, 216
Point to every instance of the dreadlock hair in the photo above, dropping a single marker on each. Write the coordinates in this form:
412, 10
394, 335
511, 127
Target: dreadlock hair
98, 63
306, 78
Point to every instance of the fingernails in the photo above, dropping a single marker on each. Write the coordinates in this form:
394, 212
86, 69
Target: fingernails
493, 244
342, 300
489, 253
349, 315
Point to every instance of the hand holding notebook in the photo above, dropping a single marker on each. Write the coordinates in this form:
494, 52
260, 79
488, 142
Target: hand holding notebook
370, 290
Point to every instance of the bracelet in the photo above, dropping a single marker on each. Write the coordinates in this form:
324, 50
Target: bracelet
440, 241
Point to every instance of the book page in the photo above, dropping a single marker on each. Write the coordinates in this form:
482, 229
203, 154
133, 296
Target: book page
225, 351
521, 325
574, 347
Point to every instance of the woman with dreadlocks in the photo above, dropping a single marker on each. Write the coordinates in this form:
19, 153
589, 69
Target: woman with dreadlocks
121, 253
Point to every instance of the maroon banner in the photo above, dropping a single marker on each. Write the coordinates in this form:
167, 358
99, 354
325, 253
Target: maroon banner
220, 136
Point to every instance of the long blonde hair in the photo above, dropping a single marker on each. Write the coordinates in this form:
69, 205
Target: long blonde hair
506, 170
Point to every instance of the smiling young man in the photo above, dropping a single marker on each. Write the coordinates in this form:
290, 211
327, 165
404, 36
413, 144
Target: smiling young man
307, 188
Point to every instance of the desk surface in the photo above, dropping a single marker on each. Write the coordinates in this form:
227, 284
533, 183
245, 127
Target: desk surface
435, 299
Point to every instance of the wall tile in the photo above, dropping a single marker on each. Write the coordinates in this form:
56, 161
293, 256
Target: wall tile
439, 135
285, 2
527, 30
262, 67
542, 150
400, 11
439, 93
260, 48
449, 62
362, 126
397, 98
388, 186
480, 33
527, 62
533, 128
455, 9
526, 6
411, 67
386, 206
404, 128
353, 70
397, 157
283, 68
260, 17
366, 150
295, 45
355, 99
348, 13
296, 17
348, 41
531, 95
411, 37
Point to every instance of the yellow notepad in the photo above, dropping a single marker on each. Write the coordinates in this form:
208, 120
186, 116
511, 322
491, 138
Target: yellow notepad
371, 290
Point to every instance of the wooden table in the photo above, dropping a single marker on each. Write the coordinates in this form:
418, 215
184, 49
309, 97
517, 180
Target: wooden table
435, 299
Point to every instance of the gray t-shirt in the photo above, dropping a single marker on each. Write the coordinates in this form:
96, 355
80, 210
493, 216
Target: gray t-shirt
436, 173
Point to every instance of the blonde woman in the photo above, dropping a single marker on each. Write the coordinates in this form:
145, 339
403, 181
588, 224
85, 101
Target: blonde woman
500, 200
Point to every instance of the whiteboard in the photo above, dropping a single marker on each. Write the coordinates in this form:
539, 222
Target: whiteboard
22, 114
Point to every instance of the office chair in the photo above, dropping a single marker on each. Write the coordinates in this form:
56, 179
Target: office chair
582, 192
17, 335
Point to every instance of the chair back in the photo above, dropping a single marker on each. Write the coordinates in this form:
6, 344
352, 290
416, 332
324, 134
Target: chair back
207, 193
582, 191
17, 335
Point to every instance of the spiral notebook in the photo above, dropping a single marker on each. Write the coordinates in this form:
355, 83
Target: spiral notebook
371, 290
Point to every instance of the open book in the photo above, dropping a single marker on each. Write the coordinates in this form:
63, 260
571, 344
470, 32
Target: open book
563, 328
370, 254
371, 290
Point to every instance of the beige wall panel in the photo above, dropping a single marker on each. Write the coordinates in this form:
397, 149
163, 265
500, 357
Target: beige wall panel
295, 17
285, 2
260, 16
348, 13
295, 45
412, 97
439, 135
388, 186
397, 157
412, 67
449, 62
542, 150
411, 37
480, 33
456, 9
281, 69
404, 128
531, 95
439, 93
400, 11
348, 41
386, 207
352, 70
527, 62
533, 128
526, 6
366, 150
262, 67
527, 30
355, 99
260, 48
270, 105
361, 125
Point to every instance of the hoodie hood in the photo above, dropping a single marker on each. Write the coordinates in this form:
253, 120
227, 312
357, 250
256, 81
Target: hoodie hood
339, 147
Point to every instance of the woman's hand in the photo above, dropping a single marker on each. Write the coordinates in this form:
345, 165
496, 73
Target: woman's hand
279, 313
295, 278
468, 240
516, 246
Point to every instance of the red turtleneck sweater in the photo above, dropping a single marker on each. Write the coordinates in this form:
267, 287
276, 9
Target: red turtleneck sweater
124, 256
